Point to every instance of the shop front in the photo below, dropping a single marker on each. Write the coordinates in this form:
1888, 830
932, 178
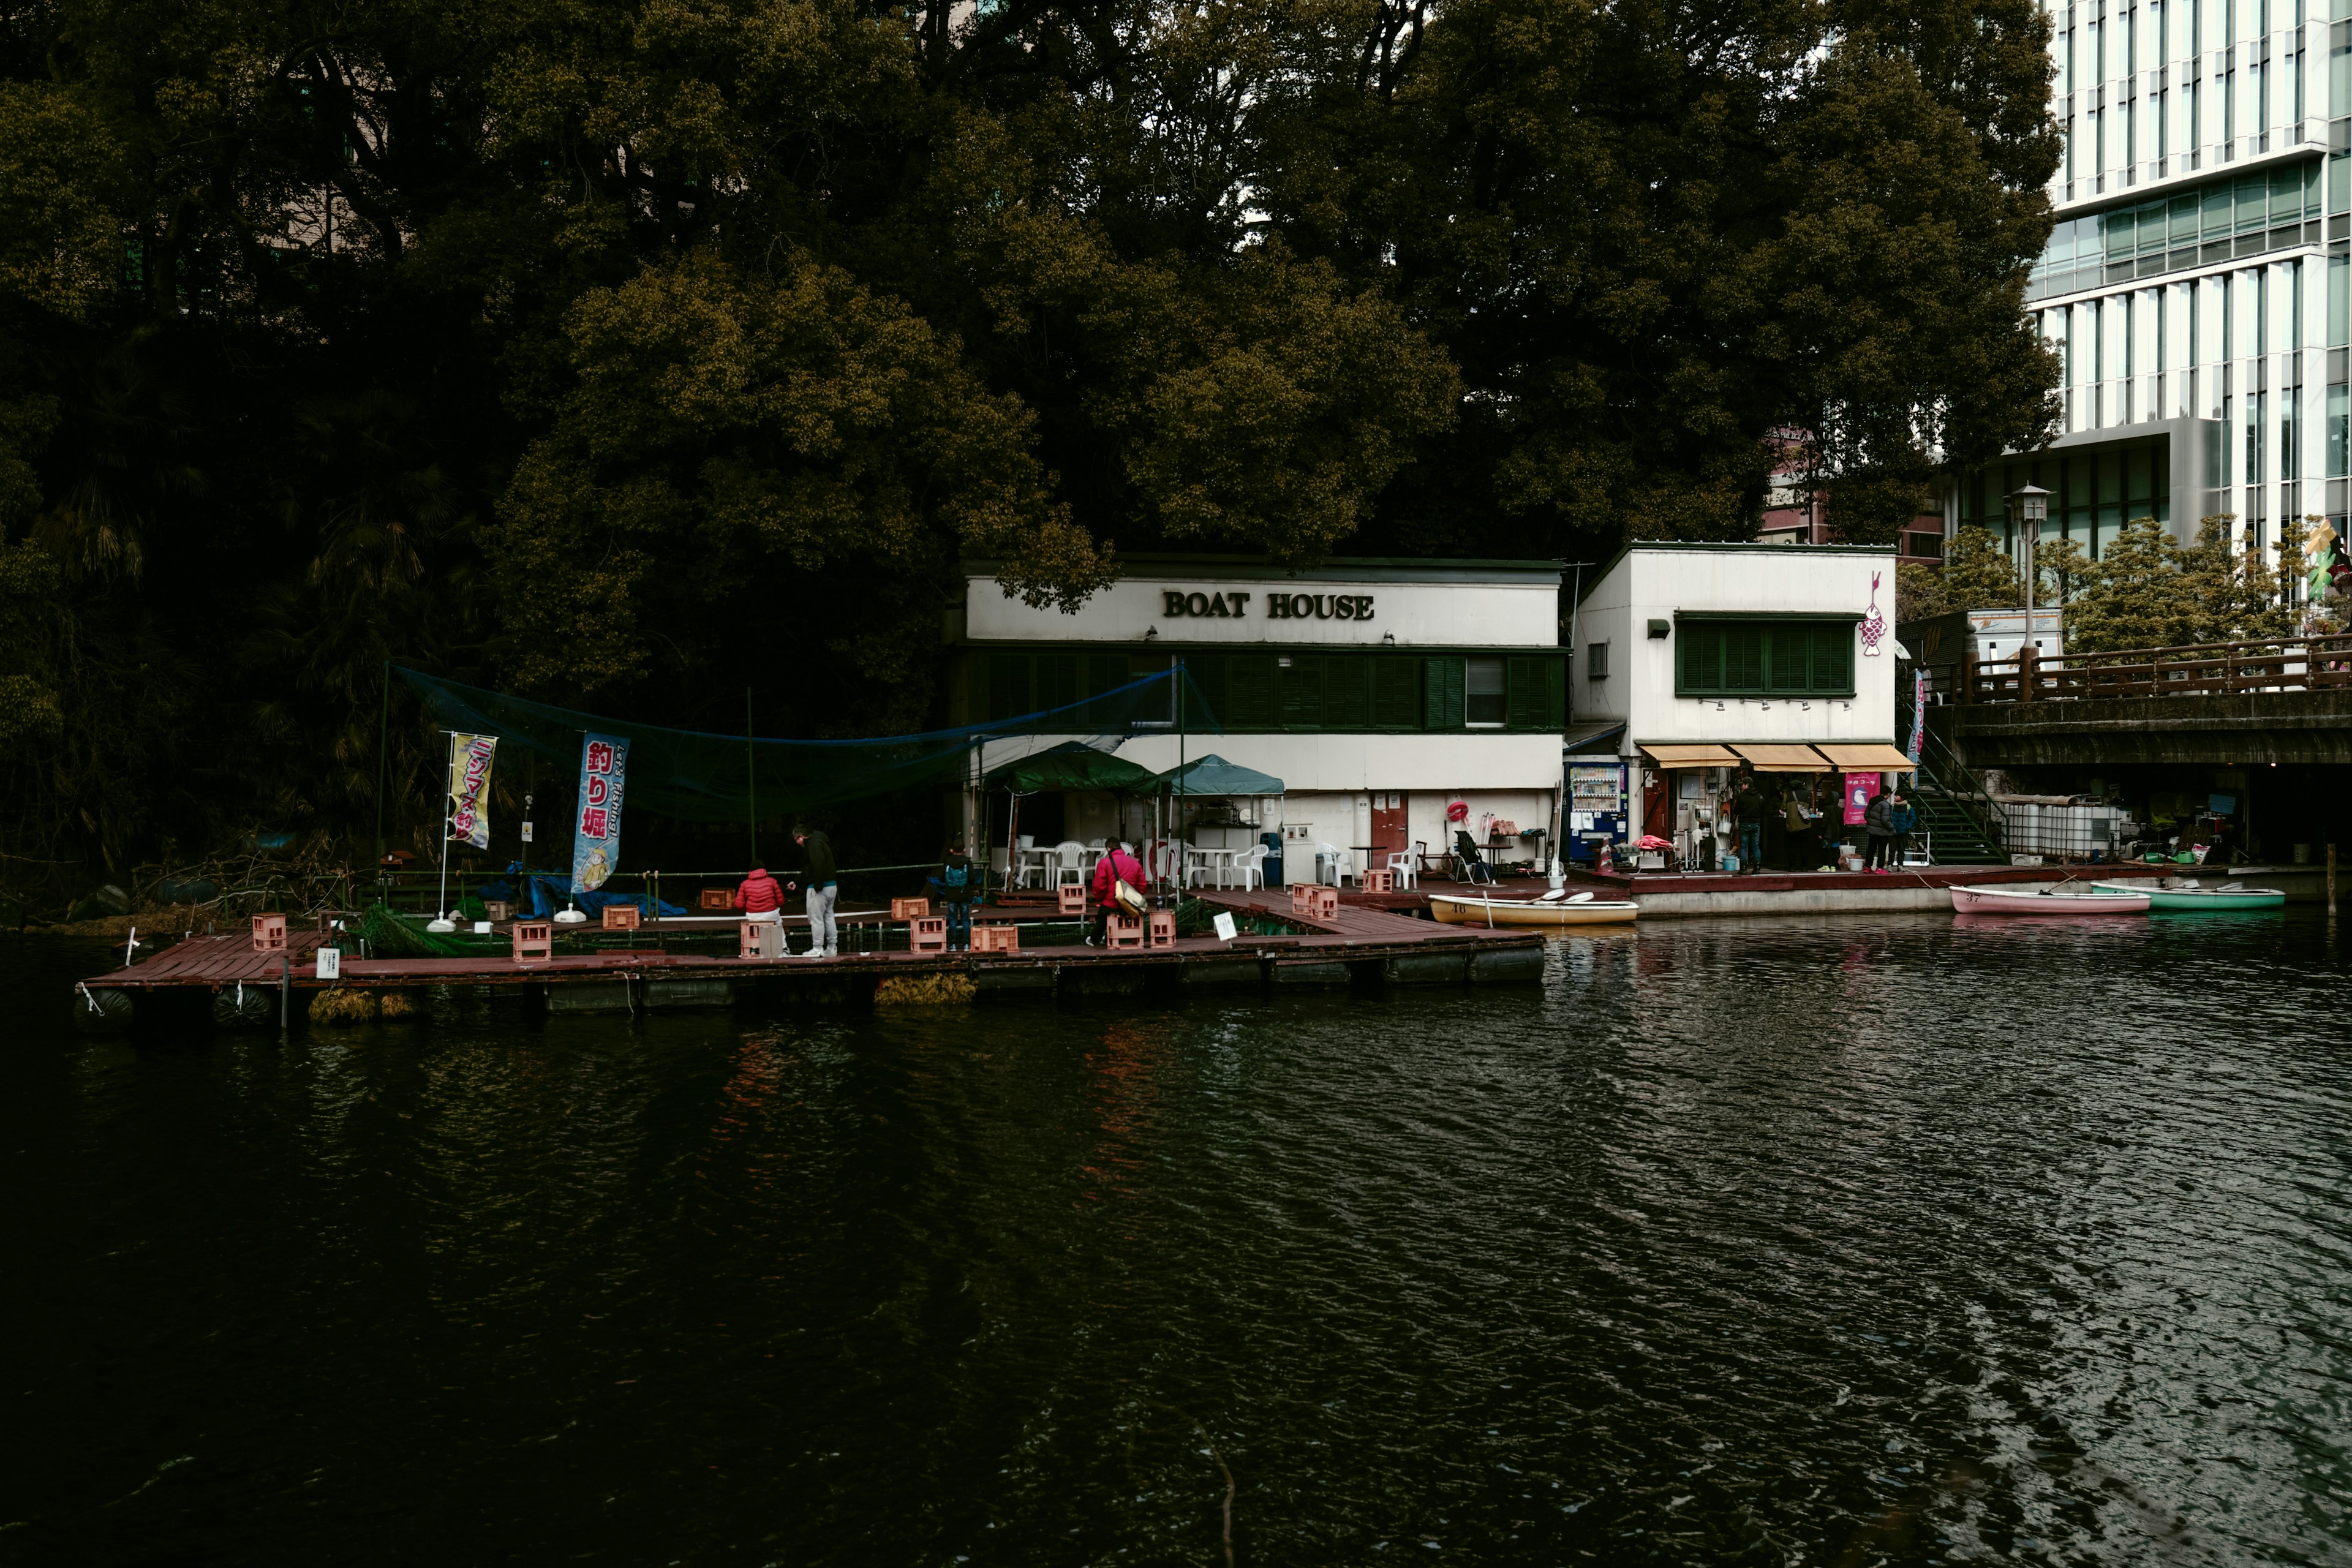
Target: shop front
1770, 665
1398, 702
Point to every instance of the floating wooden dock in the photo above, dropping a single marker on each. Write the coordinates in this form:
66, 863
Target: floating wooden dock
1353, 946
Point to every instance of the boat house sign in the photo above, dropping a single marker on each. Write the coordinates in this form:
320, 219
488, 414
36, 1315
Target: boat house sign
1176, 604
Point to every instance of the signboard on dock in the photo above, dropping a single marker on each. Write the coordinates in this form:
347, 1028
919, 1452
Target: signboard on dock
596, 830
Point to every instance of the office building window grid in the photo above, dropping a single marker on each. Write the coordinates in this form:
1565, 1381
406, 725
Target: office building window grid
2198, 273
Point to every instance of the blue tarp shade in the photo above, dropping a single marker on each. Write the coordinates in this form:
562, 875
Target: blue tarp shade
1213, 774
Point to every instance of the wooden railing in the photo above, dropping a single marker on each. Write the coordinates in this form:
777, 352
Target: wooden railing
2263, 664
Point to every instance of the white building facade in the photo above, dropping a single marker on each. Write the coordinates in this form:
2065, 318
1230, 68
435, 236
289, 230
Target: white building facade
2195, 285
1398, 701
1694, 662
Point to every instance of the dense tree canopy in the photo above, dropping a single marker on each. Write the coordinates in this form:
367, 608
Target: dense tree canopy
592, 346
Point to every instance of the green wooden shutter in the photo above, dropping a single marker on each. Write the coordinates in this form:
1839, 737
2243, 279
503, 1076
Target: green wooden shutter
1208, 672
1441, 693
1789, 647
1396, 691
1008, 685
1743, 657
1701, 654
1057, 679
1834, 657
1348, 692
1251, 692
1534, 693
1302, 692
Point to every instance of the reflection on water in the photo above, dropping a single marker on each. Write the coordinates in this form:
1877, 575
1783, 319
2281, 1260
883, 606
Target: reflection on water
1837, 1241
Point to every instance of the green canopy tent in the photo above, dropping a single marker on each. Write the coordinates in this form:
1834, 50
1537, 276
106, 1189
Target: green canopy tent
1072, 765
1213, 775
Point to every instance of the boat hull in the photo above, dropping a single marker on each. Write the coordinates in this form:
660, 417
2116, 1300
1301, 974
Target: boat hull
2042, 901
2211, 901
1455, 911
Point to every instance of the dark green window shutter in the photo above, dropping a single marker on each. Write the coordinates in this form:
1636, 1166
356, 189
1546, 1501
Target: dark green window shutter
1441, 693
1251, 692
1743, 656
1396, 691
1057, 679
1701, 656
1208, 690
1105, 672
1834, 657
1008, 685
1302, 692
1789, 655
1348, 692
1533, 684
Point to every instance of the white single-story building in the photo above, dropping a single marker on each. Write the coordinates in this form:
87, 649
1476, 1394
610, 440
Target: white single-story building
1694, 663
1384, 693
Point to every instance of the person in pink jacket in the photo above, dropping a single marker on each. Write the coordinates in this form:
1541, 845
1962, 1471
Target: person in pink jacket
1116, 865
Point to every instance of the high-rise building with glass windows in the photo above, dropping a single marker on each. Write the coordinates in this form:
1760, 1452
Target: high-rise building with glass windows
2195, 284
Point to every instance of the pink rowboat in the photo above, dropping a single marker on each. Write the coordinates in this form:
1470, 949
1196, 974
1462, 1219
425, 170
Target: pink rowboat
2049, 899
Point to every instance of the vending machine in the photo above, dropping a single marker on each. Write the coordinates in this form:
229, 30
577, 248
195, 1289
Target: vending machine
1596, 807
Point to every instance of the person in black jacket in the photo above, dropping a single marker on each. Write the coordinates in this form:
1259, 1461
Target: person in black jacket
823, 890
1878, 822
1748, 811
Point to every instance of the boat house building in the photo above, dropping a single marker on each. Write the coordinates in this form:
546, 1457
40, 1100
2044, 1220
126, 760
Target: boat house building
1397, 701
1697, 663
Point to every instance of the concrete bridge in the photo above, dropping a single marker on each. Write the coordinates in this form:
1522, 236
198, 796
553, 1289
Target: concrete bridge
2243, 704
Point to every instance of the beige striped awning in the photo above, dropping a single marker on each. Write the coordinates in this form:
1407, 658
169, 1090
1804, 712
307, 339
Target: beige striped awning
1874, 757
1784, 759
1690, 756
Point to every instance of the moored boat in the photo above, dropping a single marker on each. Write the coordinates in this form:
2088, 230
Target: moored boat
1551, 910
2049, 899
2188, 894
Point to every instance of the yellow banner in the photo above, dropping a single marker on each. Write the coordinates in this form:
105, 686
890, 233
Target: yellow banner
469, 788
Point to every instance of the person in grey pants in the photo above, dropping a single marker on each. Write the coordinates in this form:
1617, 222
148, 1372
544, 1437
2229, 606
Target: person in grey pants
823, 890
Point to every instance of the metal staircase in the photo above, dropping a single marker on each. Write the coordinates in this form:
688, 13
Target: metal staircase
1964, 828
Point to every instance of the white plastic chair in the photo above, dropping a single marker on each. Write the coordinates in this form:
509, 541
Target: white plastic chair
1335, 862
1250, 867
1405, 868
1069, 866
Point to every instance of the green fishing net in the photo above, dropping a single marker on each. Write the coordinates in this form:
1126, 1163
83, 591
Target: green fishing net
700, 777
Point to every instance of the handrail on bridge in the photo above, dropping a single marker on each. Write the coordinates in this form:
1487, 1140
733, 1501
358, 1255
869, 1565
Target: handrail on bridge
2255, 664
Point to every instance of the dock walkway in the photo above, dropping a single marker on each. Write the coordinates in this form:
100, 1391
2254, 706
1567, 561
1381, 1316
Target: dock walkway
1357, 944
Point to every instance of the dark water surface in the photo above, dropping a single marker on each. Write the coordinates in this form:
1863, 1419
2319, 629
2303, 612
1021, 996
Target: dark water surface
1827, 1242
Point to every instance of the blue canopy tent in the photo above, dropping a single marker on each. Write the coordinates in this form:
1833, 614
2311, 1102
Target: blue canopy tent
1213, 775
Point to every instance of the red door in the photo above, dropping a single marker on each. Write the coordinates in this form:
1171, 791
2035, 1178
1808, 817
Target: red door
1387, 828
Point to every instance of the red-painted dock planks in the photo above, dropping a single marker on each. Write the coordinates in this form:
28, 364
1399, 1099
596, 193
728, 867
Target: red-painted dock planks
1354, 932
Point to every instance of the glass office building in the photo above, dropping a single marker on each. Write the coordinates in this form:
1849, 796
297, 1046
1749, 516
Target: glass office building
2195, 283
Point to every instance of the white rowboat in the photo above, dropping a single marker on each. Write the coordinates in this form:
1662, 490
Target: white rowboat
2049, 899
1551, 910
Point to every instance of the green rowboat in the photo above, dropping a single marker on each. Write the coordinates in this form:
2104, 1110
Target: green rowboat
2187, 894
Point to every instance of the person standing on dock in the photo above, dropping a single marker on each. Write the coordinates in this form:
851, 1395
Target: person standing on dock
1799, 834
1902, 817
760, 897
1748, 811
1116, 865
823, 889
954, 885
1878, 822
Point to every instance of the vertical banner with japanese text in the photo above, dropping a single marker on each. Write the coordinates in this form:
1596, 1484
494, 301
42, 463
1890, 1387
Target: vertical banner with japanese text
596, 831
1918, 711
469, 788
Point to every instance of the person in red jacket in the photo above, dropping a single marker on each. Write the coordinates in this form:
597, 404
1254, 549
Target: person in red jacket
759, 897
1116, 865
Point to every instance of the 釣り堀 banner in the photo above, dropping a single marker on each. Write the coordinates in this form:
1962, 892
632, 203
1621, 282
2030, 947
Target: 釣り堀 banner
596, 831
469, 788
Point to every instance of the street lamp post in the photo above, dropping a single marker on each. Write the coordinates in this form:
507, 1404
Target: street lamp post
2029, 508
